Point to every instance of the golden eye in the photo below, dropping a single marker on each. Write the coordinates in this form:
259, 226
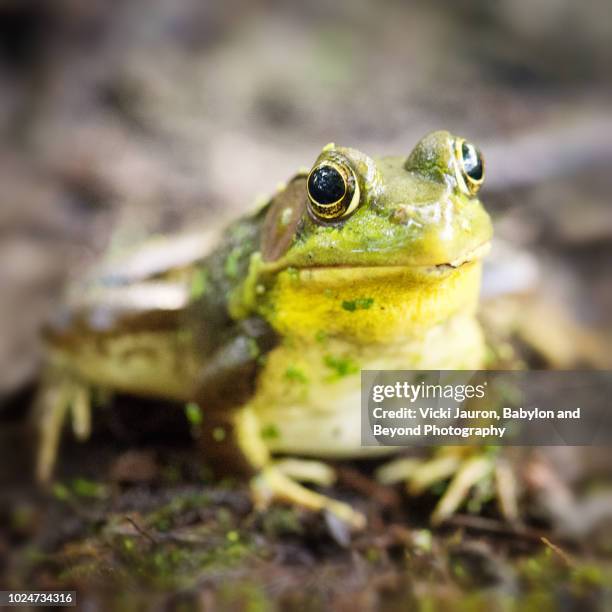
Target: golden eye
470, 166
333, 190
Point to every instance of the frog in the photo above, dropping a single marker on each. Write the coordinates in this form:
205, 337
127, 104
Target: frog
355, 263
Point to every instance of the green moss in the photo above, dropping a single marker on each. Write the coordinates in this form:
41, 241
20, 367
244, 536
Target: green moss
245, 596
164, 518
270, 432
548, 569
128, 544
168, 565
254, 350
219, 434
458, 570
358, 304
80, 487
321, 336
61, 491
232, 536
294, 374
373, 555
199, 283
280, 520
341, 366
88, 488
231, 267
193, 412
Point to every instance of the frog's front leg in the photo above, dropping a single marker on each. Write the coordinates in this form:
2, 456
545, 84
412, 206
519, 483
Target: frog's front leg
272, 484
232, 438
239, 443
467, 468
61, 395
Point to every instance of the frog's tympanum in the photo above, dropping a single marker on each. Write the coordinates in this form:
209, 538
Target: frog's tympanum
358, 263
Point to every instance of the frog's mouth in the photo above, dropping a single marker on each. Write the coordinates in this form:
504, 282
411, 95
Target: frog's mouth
473, 255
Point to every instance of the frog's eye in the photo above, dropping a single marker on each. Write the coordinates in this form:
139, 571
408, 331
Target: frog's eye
333, 189
470, 166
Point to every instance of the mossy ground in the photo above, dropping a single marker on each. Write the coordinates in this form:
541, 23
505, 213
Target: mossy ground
145, 525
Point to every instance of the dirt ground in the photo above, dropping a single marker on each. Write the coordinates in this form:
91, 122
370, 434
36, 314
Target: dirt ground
119, 120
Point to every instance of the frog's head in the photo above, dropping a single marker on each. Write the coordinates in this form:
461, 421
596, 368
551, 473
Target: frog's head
397, 238
351, 210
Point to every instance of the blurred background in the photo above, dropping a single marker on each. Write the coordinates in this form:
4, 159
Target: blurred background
121, 119
155, 115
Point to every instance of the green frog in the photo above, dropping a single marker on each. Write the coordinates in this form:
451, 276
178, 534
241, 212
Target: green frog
356, 263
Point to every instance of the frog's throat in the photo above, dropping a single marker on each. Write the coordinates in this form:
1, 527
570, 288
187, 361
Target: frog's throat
369, 305
270, 285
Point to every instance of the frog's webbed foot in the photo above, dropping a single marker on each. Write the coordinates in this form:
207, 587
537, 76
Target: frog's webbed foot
480, 471
279, 482
61, 396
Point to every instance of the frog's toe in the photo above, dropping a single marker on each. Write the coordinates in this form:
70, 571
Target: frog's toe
304, 470
472, 471
476, 471
80, 407
58, 397
51, 407
272, 484
418, 474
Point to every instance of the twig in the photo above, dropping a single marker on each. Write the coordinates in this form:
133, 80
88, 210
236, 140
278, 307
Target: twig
492, 526
141, 531
566, 558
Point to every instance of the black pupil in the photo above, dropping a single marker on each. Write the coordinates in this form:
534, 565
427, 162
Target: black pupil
472, 163
326, 185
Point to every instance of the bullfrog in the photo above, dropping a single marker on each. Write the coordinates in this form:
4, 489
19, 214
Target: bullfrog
356, 263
